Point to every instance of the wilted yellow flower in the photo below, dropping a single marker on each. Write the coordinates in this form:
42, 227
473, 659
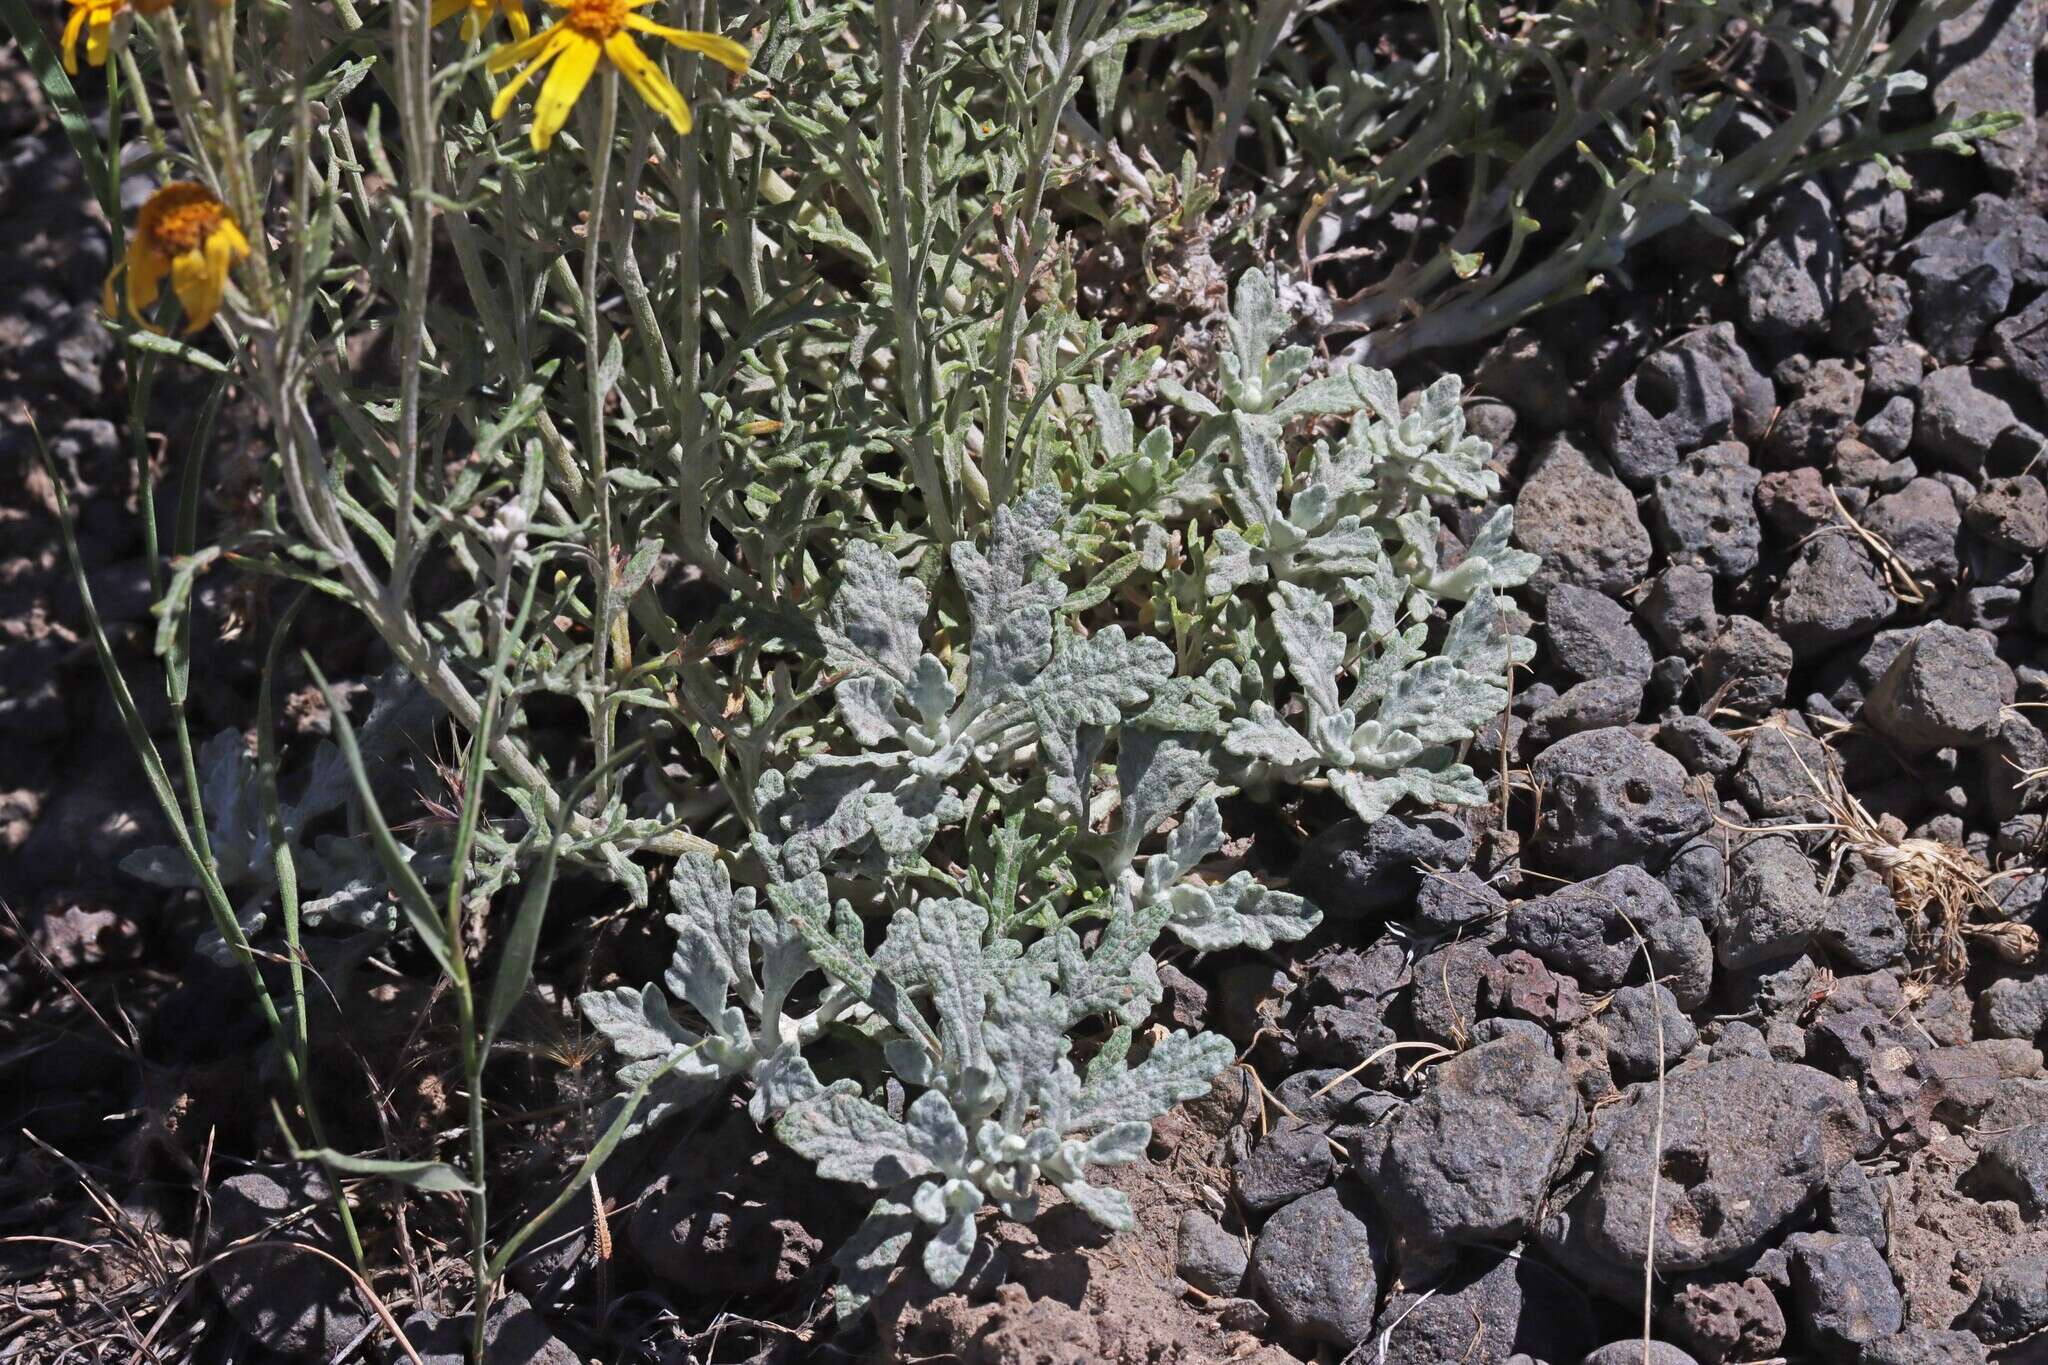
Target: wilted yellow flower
586, 31
184, 232
96, 18
476, 13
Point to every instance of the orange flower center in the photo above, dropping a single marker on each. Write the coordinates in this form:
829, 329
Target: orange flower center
180, 217
598, 19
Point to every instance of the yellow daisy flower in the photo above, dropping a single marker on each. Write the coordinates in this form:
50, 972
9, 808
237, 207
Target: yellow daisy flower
588, 30
184, 232
95, 18
476, 13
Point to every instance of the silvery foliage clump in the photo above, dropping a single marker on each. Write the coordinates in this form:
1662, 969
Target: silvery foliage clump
1632, 103
1026, 686
341, 884
1342, 541
1023, 781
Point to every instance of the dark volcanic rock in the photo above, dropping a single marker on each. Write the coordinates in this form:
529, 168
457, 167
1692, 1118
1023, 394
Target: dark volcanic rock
1596, 704
1945, 689
284, 1296
1747, 666
1795, 502
1727, 1320
1704, 510
1589, 930
1862, 931
1964, 268
1783, 771
1982, 61
1844, 1292
2014, 1165
2021, 341
1497, 1308
1853, 1205
1702, 388
1472, 1159
1293, 1160
1875, 310
1316, 1266
1831, 595
2011, 1303
1633, 1352
1590, 636
735, 1234
1773, 903
1679, 610
1788, 285
2011, 514
1646, 1030
1823, 412
1211, 1259
1925, 1346
1450, 901
1353, 870
514, 1334
1961, 419
1694, 741
1582, 521
1746, 1144
1612, 797
1920, 522
2014, 1006
1449, 983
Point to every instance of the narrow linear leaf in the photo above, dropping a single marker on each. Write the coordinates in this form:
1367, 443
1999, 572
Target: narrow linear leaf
436, 1177
412, 894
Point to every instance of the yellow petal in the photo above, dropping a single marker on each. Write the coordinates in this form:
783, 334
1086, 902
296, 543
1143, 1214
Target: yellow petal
198, 287
444, 10
558, 93
504, 58
515, 17
717, 47
109, 303
230, 232
549, 45
645, 77
146, 270
71, 27
98, 37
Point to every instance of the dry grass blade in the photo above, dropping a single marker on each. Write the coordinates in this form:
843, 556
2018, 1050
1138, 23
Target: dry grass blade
1937, 886
1898, 574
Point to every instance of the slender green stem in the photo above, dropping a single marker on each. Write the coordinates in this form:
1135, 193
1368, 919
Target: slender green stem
280, 837
607, 653
410, 39
900, 36
210, 888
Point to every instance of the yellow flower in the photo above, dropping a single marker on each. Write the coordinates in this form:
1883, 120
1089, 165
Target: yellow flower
96, 18
476, 13
186, 233
588, 30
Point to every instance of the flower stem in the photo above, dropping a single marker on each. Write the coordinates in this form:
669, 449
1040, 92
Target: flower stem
595, 454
